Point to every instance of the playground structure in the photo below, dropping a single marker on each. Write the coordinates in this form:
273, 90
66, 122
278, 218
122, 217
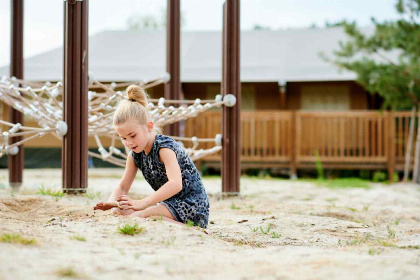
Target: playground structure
74, 112
45, 106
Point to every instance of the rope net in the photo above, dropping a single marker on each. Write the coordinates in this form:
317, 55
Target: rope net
43, 103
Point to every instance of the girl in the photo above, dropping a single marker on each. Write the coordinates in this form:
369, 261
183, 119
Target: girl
180, 194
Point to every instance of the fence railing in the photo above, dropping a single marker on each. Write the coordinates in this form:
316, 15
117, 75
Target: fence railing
355, 139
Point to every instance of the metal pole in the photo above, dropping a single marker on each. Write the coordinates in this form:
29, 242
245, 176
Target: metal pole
16, 162
231, 152
75, 98
173, 49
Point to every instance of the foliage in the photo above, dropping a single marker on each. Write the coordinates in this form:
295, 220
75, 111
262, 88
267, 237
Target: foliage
386, 62
318, 165
16, 239
150, 22
379, 176
50, 192
130, 229
345, 183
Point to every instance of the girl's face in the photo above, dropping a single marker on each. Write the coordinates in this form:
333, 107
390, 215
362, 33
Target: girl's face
135, 136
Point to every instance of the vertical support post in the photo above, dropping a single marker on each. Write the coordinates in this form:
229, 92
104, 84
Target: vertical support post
16, 162
231, 124
293, 146
173, 50
75, 98
391, 145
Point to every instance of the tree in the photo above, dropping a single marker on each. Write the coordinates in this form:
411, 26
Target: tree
150, 22
387, 62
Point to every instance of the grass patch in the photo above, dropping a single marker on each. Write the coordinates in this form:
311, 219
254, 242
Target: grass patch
391, 232
92, 195
234, 207
16, 239
130, 229
275, 235
48, 191
190, 223
78, 238
67, 272
373, 252
344, 183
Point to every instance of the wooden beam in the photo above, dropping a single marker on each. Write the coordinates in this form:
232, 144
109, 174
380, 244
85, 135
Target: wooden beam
231, 125
173, 61
16, 162
75, 98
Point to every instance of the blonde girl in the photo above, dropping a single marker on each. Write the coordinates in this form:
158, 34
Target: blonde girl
179, 192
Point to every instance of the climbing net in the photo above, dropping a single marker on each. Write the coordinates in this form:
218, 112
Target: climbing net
43, 103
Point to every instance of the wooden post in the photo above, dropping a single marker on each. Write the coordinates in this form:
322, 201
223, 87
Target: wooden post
231, 151
16, 162
173, 49
75, 98
391, 145
293, 146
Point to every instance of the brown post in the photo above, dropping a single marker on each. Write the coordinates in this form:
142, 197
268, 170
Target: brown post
75, 98
173, 49
231, 151
293, 146
391, 145
16, 162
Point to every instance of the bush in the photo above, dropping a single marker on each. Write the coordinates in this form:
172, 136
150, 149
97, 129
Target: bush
379, 176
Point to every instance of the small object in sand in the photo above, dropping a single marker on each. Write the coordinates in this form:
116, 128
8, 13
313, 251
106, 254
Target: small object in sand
242, 221
272, 217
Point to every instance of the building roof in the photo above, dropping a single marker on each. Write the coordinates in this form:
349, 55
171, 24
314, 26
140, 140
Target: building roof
266, 56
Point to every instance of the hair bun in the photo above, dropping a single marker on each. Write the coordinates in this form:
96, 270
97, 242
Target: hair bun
137, 94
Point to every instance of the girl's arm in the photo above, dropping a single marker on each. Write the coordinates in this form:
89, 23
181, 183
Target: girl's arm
123, 188
169, 189
126, 180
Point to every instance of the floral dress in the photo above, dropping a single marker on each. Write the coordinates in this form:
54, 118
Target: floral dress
192, 202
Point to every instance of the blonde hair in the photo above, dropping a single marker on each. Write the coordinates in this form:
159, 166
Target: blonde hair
133, 108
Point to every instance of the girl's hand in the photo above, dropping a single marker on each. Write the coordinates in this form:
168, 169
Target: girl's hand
125, 203
105, 205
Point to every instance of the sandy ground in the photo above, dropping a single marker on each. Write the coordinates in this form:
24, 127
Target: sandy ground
276, 229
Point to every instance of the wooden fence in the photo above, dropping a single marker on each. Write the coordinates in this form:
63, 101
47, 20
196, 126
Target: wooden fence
297, 139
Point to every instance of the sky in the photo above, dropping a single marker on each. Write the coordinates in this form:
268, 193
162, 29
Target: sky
43, 25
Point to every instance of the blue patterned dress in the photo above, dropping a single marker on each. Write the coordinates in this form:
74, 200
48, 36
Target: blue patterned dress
191, 203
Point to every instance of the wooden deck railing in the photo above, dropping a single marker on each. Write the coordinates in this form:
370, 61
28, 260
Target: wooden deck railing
355, 139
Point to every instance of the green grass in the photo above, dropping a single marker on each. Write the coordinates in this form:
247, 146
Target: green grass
234, 207
190, 223
275, 235
48, 191
373, 252
130, 229
67, 272
78, 238
344, 183
16, 239
267, 229
92, 195
391, 232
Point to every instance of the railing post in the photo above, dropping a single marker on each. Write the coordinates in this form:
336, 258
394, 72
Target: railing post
293, 146
391, 145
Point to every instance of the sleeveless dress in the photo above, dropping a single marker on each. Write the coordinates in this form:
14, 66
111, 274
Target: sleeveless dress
192, 202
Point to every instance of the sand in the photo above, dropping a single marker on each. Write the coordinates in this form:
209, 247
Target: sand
276, 229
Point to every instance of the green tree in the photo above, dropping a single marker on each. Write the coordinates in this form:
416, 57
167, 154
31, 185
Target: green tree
150, 22
387, 62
